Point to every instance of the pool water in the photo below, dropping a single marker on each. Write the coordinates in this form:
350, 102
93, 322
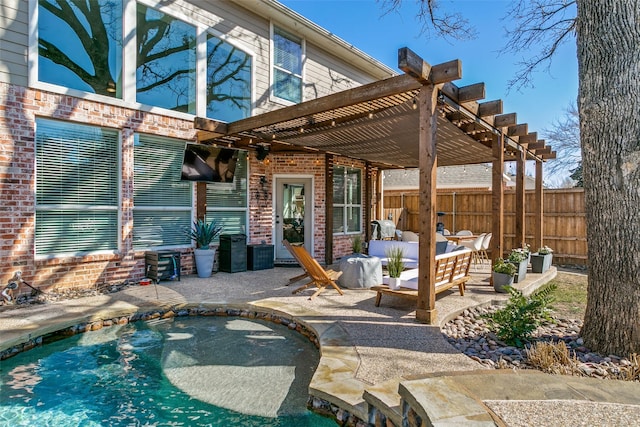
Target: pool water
195, 371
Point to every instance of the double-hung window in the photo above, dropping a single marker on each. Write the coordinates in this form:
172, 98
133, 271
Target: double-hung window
347, 200
227, 202
162, 202
77, 182
288, 52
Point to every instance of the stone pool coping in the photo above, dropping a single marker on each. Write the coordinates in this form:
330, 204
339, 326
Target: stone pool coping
357, 342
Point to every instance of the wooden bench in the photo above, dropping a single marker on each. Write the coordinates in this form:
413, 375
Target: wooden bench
452, 269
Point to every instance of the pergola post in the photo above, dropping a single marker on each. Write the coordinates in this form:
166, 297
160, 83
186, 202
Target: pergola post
497, 197
519, 202
538, 237
201, 200
427, 102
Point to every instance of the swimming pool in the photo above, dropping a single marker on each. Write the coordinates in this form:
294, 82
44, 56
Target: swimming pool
185, 371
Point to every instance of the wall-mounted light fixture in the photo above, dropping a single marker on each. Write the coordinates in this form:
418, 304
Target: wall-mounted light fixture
262, 151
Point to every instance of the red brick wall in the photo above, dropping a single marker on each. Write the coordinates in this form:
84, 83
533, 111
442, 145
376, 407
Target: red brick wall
19, 108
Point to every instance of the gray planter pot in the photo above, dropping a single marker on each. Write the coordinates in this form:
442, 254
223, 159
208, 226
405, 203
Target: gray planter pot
204, 261
541, 263
521, 274
500, 281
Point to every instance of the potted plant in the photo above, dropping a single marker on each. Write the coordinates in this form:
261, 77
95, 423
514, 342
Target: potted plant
541, 260
203, 234
520, 259
395, 265
356, 244
502, 275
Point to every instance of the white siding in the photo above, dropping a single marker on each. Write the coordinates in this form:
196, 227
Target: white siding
14, 39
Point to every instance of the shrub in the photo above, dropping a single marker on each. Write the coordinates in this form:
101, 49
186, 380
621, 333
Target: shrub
503, 267
545, 250
515, 322
517, 255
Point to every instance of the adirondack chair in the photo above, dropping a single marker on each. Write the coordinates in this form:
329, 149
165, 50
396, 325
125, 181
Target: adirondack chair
320, 277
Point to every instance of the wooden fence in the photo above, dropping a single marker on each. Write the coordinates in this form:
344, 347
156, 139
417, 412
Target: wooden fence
564, 225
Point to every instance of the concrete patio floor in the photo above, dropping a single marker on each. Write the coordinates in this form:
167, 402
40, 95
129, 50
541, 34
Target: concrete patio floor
370, 356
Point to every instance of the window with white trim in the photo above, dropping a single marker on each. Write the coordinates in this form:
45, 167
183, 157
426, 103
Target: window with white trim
80, 47
162, 202
227, 203
347, 200
288, 51
166, 59
228, 81
77, 182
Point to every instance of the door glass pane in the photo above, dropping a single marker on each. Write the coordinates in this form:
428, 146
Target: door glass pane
293, 213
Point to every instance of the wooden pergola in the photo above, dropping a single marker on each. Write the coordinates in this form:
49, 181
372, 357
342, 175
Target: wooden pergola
418, 119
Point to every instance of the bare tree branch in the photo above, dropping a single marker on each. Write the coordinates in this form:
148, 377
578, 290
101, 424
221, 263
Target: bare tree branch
449, 26
564, 136
539, 28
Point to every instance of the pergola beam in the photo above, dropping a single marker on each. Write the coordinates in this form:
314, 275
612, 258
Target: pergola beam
490, 108
361, 94
413, 65
505, 120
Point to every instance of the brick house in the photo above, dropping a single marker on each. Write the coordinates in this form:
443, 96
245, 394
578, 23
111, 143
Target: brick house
98, 105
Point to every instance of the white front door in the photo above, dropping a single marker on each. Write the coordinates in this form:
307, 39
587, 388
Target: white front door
294, 210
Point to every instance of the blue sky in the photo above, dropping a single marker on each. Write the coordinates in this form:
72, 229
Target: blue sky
364, 24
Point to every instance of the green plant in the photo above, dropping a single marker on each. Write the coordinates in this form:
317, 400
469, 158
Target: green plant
515, 322
501, 266
517, 255
202, 233
395, 265
356, 244
545, 250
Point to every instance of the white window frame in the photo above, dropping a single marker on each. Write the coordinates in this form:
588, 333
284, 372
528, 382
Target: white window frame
303, 46
346, 206
118, 208
129, 66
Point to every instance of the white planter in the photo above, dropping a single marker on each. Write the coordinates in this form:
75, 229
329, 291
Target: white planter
204, 261
394, 283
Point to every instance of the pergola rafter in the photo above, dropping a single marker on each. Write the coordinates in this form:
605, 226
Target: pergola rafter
419, 119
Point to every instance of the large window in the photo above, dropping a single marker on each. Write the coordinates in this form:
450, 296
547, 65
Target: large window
228, 81
77, 185
287, 66
162, 202
227, 202
80, 47
166, 74
347, 200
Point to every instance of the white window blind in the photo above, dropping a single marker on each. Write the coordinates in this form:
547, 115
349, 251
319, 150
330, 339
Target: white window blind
162, 202
287, 66
77, 183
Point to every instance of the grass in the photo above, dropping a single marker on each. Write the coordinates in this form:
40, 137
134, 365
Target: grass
570, 296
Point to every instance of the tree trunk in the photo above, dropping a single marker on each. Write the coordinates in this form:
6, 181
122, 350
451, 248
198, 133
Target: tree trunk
608, 40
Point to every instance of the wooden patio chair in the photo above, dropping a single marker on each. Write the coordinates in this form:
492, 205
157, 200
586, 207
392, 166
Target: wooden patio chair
320, 277
294, 254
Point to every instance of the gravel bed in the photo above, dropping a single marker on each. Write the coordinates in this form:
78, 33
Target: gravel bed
470, 333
